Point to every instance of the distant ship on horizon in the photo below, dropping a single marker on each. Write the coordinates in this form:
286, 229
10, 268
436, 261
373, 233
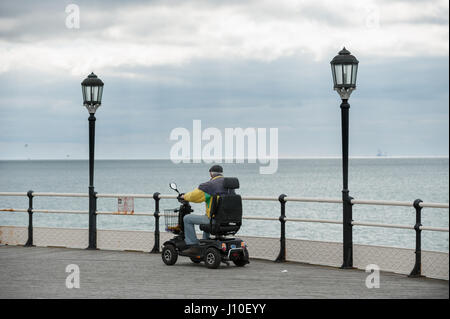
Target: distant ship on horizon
380, 153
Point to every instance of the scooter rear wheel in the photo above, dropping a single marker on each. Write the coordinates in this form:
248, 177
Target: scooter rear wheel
242, 260
169, 255
212, 258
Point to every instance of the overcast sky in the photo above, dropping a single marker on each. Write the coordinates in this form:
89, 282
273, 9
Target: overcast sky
261, 64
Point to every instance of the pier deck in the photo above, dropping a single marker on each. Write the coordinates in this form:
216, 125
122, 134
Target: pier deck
39, 272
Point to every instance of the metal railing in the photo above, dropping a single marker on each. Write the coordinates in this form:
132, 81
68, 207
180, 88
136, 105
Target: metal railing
418, 205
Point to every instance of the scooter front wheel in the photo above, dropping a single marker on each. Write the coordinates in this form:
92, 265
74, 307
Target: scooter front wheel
169, 255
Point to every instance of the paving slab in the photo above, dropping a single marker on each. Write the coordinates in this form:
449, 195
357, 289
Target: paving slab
40, 272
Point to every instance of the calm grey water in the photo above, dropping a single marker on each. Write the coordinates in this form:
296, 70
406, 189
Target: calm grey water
378, 178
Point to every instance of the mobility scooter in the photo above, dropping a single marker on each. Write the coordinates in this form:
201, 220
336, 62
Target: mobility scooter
226, 219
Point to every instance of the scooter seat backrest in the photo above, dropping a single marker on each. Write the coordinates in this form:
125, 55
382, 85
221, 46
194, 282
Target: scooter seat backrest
227, 215
228, 209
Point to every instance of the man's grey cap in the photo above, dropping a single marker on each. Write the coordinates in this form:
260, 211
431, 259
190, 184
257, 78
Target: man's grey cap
216, 169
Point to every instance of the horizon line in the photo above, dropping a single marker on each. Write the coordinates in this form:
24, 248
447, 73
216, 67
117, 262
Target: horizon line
234, 159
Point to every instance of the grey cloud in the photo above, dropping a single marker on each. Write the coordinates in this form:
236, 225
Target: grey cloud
38, 20
400, 106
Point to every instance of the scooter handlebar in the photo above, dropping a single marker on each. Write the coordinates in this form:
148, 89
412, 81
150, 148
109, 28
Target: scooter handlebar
181, 200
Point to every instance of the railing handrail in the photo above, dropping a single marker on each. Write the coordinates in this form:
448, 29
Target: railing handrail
125, 195
398, 203
263, 198
305, 220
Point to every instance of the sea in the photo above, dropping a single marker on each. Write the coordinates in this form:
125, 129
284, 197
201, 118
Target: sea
378, 178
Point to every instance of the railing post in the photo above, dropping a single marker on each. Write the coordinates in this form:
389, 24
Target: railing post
29, 242
417, 270
155, 249
282, 255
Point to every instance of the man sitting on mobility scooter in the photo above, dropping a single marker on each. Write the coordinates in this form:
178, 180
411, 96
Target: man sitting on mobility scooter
224, 218
204, 193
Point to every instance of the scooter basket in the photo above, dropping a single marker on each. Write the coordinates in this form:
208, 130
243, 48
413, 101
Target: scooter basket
172, 220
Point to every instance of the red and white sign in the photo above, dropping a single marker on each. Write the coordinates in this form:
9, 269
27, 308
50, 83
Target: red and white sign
125, 205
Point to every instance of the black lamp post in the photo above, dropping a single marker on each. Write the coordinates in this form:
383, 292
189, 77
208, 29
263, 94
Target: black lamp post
92, 88
344, 67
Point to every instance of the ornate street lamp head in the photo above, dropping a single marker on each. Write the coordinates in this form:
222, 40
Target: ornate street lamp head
344, 67
92, 88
